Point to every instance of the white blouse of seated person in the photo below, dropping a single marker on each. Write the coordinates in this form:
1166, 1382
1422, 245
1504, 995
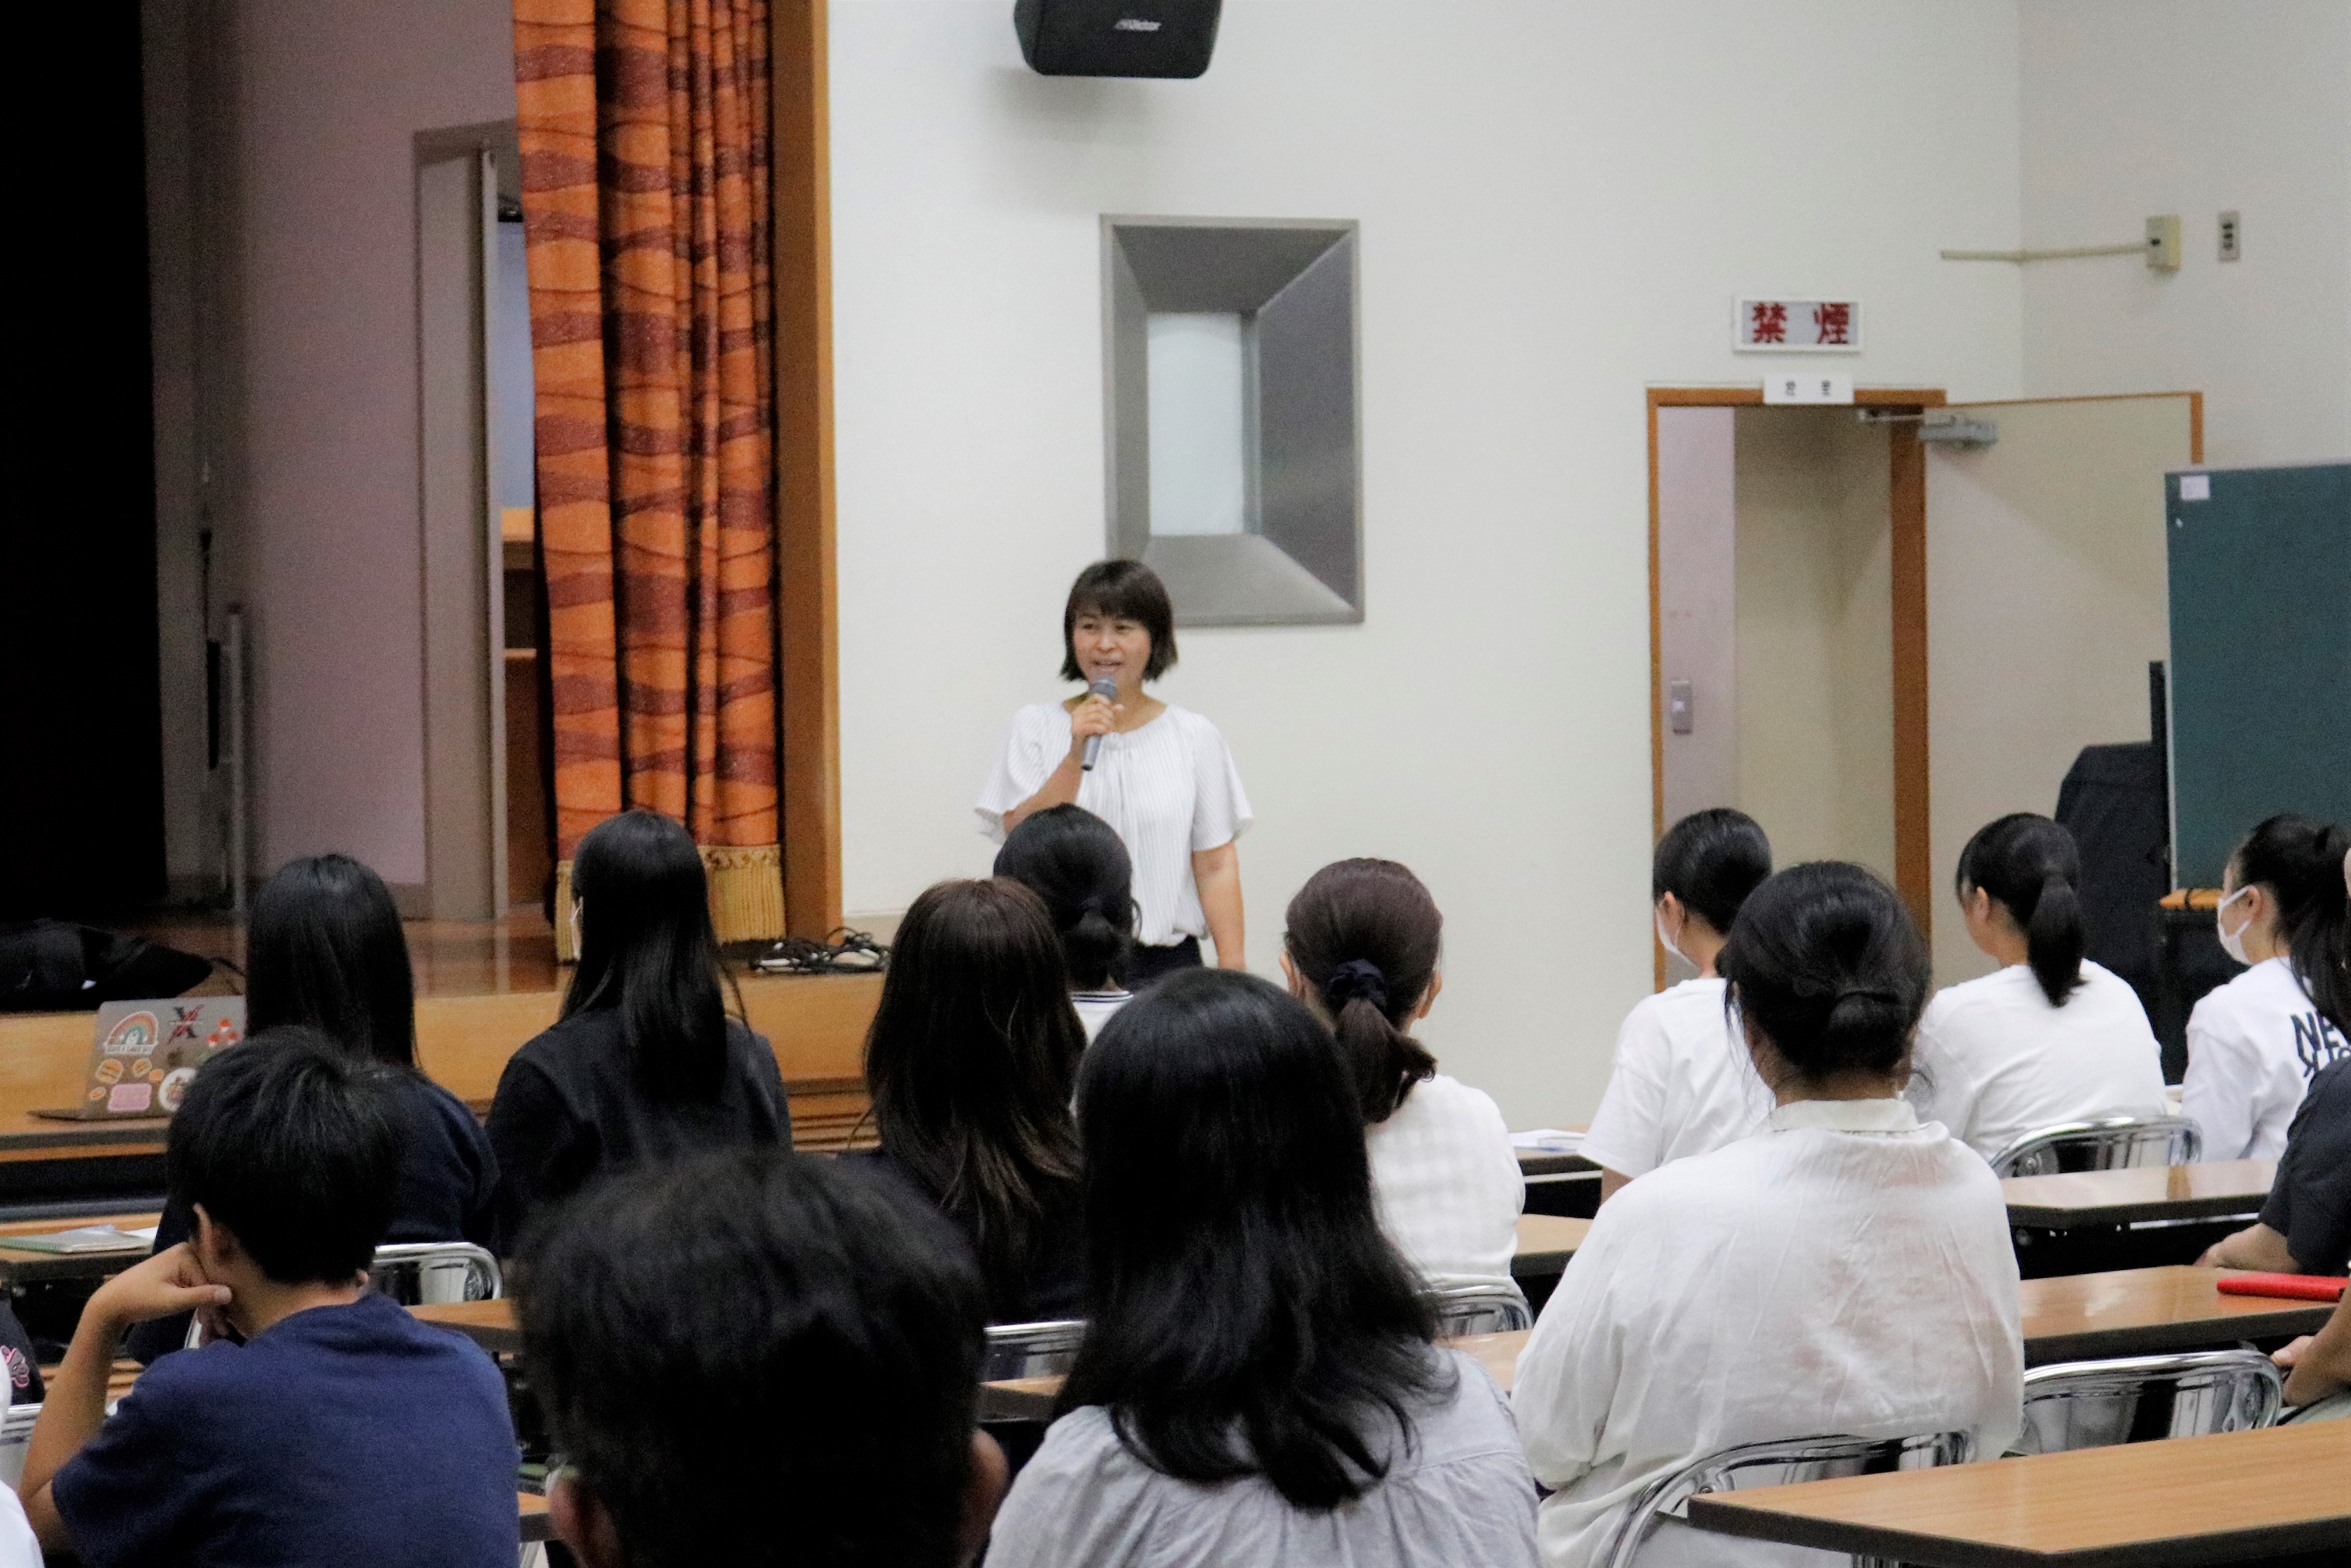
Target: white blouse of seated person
1847, 1270
1682, 1082
2255, 1044
2048, 1037
1360, 947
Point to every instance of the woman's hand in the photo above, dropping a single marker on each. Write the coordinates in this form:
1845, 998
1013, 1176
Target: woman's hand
1094, 716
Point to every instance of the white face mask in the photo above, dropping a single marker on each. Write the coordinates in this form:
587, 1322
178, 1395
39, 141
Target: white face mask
1668, 942
2233, 943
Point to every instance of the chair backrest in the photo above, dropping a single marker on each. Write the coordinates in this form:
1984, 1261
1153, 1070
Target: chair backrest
416, 1273
1779, 1463
2112, 1143
1032, 1350
1498, 1308
2097, 1403
16, 1436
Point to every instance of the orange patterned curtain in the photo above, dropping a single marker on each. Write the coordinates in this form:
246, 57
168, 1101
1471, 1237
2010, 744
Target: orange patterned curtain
645, 138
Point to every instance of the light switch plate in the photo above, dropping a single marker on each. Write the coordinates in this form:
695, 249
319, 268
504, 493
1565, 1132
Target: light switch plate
1681, 707
2163, 243
2232, 237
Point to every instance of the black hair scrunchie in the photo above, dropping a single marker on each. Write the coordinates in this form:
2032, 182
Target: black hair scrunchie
1356, 978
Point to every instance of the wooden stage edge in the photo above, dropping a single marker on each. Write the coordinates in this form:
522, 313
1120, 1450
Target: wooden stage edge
815, 1023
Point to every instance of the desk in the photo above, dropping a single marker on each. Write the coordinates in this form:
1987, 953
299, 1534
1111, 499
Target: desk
490, 1324
532, 1508
22, 1267
2147, 1312
1546, 1241
816, 1024
2186, 1501
2121, 1197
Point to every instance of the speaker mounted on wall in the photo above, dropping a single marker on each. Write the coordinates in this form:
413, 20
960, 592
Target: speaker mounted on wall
1117, 37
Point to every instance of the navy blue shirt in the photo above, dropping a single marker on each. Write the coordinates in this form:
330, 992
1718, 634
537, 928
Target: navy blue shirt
354, 1436
2310, 1201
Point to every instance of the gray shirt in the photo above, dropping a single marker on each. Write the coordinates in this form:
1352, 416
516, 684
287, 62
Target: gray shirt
1459, 1494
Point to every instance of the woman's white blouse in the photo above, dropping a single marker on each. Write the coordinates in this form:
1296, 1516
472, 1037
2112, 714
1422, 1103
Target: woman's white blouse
1446, 1183
1683, 1084
1094, 1009
1994, 1061
1846, 1272
1168, 788
2253, 1045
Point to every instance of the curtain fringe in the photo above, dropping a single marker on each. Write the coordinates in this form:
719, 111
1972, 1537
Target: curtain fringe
747, 896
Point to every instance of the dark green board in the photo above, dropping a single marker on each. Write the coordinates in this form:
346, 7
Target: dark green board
2261, 656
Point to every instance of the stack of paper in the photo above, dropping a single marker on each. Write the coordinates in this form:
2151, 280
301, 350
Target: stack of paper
1548, 1141
83, 1238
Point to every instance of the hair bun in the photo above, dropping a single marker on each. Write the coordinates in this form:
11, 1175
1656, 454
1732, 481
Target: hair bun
1357, 979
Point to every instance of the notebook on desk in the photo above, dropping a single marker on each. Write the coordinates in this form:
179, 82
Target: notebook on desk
146, 1054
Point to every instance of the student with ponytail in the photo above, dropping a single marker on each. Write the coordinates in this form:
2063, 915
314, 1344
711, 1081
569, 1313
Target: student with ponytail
1076, 862
1362, 951
2255, 1044
2048, 1037
1682, 1083
1846, 1270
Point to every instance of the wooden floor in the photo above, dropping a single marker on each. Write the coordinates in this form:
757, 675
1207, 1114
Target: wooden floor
451, 957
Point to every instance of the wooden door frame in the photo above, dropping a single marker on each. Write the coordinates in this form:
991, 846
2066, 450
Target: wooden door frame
1907, 534
808, 627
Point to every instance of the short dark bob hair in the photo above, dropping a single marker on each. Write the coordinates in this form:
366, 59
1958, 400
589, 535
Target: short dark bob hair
1123, 590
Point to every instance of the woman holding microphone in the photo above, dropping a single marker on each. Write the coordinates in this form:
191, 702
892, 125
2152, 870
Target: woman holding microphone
1160, 776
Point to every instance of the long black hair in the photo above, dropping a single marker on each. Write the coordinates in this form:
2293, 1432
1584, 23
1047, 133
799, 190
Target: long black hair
324, 949
2031, 868
1246, 1314
1076, 862
647, 950
2300, 862
1365, 934
1712, 860
971, 1061
1825, 964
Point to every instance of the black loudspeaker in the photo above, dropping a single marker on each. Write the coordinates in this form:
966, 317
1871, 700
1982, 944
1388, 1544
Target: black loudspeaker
1117, 37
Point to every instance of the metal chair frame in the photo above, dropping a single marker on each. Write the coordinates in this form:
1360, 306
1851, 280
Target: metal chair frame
2333, 1408
1043, 1349
2111, 1143
2249, 1389
1495, 1308
483, 1280
1809, 1460
16, 1436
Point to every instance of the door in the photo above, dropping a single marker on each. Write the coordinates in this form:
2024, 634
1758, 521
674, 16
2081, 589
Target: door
2047, 601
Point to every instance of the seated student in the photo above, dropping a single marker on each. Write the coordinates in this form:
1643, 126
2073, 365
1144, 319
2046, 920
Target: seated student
2255, 1044
2305, 1223
644, 1064
821, 1387
1361, 951
2049, 1038
324, 949
1075, 862
970, 1060
341, 1429
1844, 1272
1257, 1384
23, 1363
1682, 1083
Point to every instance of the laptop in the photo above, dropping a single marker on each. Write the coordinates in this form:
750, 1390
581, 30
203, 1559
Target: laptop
146, 1054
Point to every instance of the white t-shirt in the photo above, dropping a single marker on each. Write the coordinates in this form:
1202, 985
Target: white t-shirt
18, 1549
1994, 1061
1846, 1272
1458, 1494
1094, 1009
1168, 788
2253, 1045
1683, 1084
1446, 1183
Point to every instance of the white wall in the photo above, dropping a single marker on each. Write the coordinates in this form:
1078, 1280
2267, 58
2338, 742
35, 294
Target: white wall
1558, 204
2139, 106
327, 102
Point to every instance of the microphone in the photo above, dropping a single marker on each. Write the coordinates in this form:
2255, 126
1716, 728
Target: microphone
1106, 689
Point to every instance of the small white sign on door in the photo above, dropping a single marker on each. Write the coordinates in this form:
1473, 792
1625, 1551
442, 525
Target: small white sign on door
1806, 386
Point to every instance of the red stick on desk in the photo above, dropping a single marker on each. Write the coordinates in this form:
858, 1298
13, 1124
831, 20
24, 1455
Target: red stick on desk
2296, 1286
